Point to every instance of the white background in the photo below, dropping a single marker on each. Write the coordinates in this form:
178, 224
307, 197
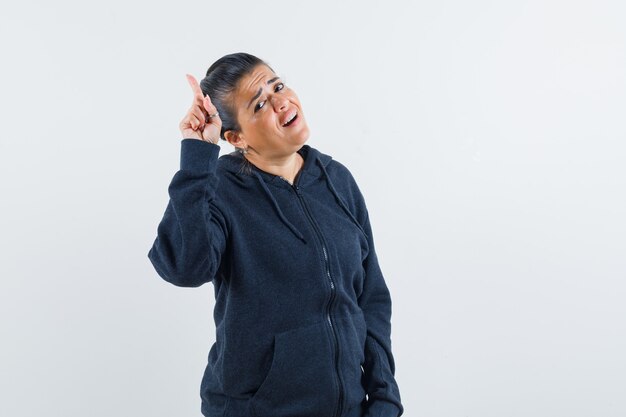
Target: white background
487, 137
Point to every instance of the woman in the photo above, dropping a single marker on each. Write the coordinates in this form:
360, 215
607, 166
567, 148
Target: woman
302, 310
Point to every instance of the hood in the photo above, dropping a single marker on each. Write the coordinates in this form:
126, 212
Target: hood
315, 163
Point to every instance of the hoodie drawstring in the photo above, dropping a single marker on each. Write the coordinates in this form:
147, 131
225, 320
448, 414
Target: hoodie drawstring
280, 212
338, 198
332, 188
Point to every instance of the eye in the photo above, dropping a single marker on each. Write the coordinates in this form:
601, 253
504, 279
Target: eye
260, 104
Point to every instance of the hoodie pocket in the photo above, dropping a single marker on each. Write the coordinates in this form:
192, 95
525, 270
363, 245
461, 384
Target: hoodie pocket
301, 380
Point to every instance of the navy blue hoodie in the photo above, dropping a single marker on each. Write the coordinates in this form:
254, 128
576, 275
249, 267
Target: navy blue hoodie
302, 311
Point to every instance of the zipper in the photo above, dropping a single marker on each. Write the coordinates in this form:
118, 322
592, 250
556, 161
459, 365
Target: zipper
332, 291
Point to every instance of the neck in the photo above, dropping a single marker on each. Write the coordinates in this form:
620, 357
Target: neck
285, 166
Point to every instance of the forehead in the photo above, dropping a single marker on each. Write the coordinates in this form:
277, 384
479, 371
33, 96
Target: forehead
250, 83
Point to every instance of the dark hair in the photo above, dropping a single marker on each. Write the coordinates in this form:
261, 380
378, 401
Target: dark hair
222, 79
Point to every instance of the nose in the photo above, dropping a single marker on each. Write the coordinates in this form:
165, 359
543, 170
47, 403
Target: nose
280, 103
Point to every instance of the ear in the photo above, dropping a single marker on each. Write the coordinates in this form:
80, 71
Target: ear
235, 138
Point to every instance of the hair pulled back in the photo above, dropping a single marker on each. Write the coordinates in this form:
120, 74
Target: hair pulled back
222, 79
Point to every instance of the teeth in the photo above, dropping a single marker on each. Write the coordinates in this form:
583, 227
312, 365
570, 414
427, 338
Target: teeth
290, 119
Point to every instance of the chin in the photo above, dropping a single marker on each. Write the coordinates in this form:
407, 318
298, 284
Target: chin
299, 135
302, 137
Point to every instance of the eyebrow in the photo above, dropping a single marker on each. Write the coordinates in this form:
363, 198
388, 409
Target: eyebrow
258, 94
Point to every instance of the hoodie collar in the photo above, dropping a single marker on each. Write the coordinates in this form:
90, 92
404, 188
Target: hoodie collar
314, 167
309, 172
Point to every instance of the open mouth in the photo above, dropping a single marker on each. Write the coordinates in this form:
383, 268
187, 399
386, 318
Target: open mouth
290, 122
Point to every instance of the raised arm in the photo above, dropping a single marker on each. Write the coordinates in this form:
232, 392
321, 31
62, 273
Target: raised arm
192, 235
193, 232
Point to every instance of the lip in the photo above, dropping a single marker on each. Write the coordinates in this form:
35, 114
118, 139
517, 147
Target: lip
295, 122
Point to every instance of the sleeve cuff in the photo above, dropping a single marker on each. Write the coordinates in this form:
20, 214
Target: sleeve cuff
198, 155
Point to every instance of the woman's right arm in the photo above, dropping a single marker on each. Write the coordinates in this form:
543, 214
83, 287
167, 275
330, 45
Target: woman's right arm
192, 235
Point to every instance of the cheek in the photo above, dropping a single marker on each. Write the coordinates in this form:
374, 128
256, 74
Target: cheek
270, 120
293, 97
263, 123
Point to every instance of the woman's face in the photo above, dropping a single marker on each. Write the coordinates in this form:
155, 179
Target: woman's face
264, 104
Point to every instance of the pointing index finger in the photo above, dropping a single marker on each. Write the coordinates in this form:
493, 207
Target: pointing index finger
195, 86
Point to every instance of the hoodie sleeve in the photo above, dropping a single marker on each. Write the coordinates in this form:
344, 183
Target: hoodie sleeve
375, 301
379, 367
192, 234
